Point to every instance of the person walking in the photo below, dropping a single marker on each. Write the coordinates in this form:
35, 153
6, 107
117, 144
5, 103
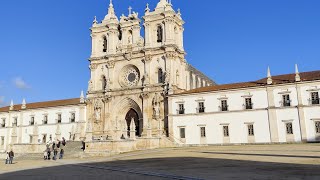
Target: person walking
11, 155
61, 153
83, 145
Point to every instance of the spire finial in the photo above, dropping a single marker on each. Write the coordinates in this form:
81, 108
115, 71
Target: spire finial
269, 80
82, 98
130, 10
111, 3
24, 104
147, 8
11, 105
297, 73
95, 20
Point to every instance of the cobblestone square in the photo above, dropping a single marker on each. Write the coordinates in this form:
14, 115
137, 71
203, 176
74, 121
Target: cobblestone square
287, 161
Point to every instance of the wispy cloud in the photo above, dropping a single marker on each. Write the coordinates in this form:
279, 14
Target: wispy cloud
20, 83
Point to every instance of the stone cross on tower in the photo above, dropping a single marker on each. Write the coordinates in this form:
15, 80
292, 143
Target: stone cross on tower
130, 10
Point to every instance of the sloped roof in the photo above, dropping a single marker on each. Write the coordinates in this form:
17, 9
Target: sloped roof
280, 79
36, 105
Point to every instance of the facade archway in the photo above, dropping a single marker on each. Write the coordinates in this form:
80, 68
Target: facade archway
132, 114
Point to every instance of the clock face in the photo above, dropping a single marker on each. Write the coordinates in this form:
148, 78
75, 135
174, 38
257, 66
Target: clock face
129, 76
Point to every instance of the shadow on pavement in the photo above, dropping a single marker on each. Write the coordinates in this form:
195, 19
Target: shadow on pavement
171, 168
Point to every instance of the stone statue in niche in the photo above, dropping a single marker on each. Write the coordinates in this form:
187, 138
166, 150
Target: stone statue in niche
167, 77
156, 106
97, 110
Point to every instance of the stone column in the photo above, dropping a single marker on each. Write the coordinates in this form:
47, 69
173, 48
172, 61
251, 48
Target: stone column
301, 115
273, 124
146, 108
125, 129
136, 34
110, 65
147, 34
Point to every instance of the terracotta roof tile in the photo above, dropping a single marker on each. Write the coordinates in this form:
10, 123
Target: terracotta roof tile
280, 79
36, 105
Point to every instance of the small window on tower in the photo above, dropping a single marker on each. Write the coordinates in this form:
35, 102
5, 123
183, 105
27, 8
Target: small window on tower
159, 34
105, 44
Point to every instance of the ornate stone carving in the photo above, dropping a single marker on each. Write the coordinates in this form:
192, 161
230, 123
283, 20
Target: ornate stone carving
144, 95
170, 55
93, 66
156, 102
148, 57
110, 64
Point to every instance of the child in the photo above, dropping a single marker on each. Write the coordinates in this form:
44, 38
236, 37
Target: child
7, 158
45, 155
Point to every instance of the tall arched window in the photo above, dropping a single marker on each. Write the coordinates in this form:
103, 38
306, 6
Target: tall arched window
103, 82
105, 44
120, 33
159, 34
160, 76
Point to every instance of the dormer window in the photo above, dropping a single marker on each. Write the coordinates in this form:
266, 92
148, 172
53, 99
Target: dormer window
159, 34
105, 44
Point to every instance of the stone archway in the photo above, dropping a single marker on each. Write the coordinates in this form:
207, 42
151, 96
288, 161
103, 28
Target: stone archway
133, 114
127, 109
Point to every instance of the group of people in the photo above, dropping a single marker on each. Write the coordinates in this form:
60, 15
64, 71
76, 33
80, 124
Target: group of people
54, 147
9, 157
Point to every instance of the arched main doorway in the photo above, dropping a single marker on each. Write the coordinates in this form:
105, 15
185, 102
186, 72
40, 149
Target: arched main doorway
133, 114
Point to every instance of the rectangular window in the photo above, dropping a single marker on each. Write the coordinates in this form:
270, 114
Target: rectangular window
201, 107
203, 131
181, 109
250, 130
45, 119
30, 139
182, 133
3, 123
289, 128
248, 103
317, 124
224, 105
286, 100
15, 121
226, 131
2, 140
314, 98
59, 118
73, 117
32, 121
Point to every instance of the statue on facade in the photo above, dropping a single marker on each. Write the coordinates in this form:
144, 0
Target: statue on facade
97, 110
156, 105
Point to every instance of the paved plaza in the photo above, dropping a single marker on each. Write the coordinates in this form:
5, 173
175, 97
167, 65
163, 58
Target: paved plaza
288, 161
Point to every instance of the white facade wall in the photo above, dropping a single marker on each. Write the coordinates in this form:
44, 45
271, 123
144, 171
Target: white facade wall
24, 130
302, 115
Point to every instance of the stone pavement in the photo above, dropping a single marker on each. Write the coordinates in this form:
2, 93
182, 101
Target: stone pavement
287, 161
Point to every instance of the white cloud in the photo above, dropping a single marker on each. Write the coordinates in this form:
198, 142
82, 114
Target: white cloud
20, 83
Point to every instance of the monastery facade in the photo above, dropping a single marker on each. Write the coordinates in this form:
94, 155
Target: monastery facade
142, 94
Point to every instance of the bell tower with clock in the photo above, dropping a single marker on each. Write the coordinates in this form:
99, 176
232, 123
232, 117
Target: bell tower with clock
131, 75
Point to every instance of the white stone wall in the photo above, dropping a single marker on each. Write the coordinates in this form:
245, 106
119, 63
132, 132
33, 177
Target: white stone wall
24, 130
302, 115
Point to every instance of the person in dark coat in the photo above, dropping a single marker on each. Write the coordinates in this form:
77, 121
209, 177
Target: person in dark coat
11, 155
61, 153
83, 145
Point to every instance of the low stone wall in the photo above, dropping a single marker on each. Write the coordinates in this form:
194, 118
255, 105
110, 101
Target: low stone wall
121, 146
28, 148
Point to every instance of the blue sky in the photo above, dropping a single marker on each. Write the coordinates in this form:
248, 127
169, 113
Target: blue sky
44, 45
